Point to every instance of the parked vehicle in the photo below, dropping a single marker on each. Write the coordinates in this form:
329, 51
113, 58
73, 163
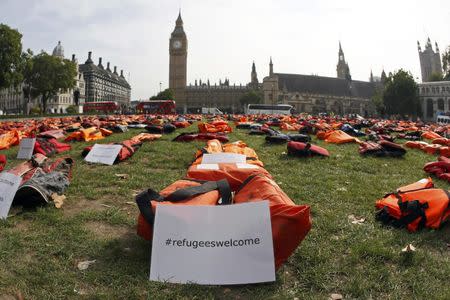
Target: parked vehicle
267, 109
105, 107
443, 120
211, 111
166, 107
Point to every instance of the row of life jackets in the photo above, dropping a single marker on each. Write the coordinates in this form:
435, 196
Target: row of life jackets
215, 127
429, 148
129, 147
49, 147
226, 185
440, 168
381, 148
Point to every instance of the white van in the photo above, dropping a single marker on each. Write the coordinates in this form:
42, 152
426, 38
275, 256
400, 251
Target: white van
211, 111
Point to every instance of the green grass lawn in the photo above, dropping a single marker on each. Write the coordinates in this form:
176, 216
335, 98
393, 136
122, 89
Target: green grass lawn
40, 250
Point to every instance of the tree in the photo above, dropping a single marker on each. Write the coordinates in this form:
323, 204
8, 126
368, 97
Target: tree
10, 57
251, 97
72, 109
400, 94
446, 63
50, 75
27, 73
377, 100
167, 94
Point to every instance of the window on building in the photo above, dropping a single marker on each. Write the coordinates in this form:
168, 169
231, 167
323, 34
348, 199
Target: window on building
440, 104
430, 112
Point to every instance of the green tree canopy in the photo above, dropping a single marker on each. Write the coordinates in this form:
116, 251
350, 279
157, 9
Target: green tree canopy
10, 56
50, 75
27, 73
400, 95
377, 100
446, 63
251, 97
167, 94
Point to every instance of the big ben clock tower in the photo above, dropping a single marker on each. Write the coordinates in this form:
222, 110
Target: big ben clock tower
178, 62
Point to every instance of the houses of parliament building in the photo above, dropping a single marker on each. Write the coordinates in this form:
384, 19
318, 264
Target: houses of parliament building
306, 93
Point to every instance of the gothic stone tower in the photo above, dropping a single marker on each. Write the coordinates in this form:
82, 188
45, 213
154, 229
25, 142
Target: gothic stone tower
430, 61
254, 83
178, 62
343, 71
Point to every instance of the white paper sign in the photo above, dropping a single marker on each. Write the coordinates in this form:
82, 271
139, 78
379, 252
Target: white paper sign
230, 244
224, 158
208, 167
103, 154
9, 183
246, 166
26, 148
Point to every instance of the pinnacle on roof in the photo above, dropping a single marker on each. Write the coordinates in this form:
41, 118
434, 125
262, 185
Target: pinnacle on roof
179, 21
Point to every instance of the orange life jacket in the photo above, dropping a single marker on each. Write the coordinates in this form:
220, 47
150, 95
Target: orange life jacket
214, 127
430, 135
239, 147
290, 222
339, 137
9, 139
234, 174
87, 135
415, 206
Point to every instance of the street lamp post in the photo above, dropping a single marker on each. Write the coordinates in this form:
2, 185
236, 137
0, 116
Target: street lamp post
160, 87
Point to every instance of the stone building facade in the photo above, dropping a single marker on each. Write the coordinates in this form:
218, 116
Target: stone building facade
103, 84
11, 100
94, 83
430, 60
312, 94
319, 94
223, 96
435, 99
75, 96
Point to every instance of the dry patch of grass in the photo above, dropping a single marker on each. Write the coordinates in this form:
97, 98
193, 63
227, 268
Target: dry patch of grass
101, 230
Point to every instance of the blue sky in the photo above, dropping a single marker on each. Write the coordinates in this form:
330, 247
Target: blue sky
225, 36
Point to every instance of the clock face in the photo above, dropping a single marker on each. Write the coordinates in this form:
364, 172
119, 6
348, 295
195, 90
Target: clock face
177, 44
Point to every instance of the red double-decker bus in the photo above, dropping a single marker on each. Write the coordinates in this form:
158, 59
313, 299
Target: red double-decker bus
106, 107
164, 107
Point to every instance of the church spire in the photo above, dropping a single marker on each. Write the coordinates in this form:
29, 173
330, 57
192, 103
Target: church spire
254, 77
270, 67
179, 21
342, 68
383, 76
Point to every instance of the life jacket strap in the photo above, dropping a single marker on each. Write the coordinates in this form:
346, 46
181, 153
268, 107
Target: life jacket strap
413, 209
144, 199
